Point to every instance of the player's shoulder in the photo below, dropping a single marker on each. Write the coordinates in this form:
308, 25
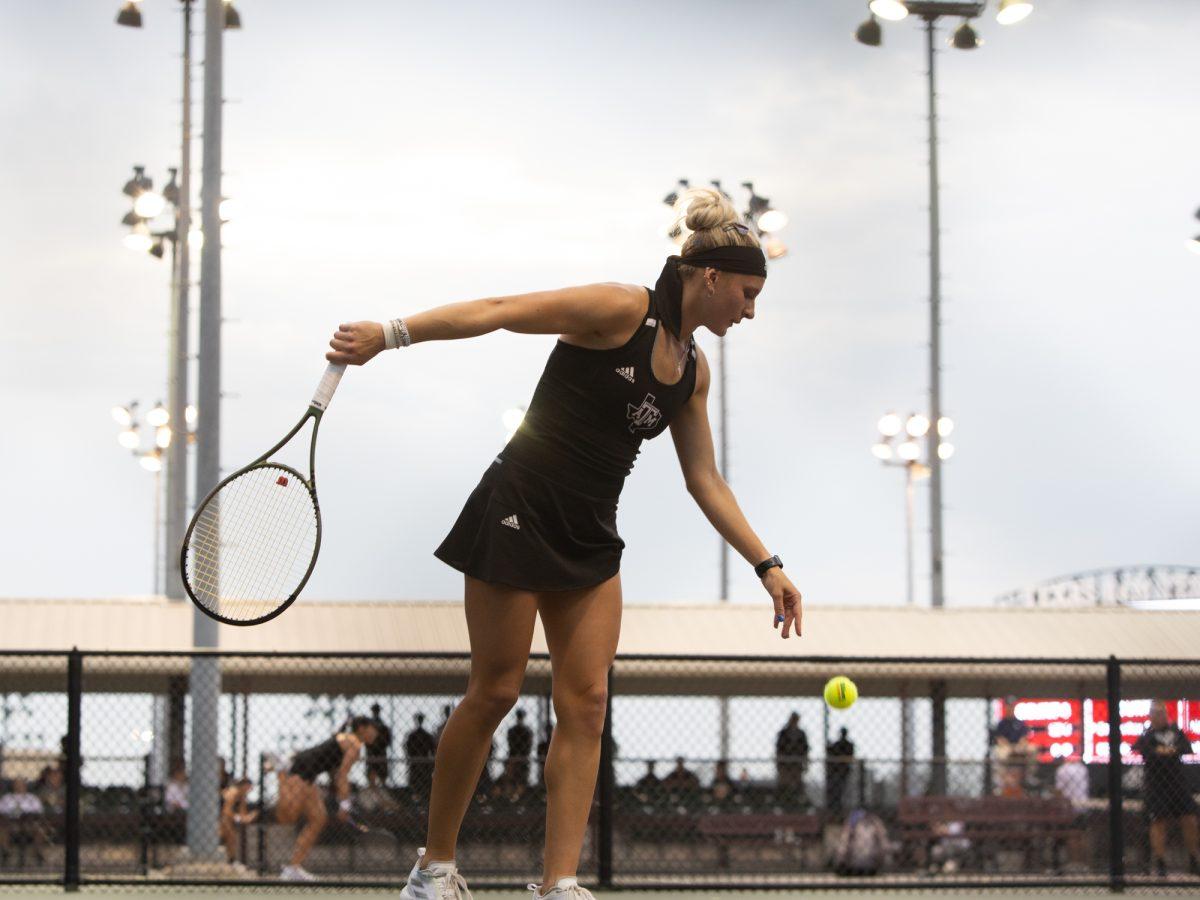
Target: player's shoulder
617, 311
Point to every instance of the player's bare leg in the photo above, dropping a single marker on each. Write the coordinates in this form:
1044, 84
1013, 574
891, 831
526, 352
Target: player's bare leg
500, 624
582, 628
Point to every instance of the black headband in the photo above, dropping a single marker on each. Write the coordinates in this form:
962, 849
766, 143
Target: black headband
738, 259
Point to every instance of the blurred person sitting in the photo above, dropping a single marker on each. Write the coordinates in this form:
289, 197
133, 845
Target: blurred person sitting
21, 822
1167, 795
175, 797
51, 789
1071, 783
513, 784
950, 847
863, 845
235, 816
681, 782
1012, 750
720, 792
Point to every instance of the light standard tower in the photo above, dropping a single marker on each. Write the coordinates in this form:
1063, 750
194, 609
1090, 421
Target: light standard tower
204, 683
965, 38
906, 454
1194, 243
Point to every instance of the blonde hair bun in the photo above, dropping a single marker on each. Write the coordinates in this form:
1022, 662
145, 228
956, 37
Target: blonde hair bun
709, 209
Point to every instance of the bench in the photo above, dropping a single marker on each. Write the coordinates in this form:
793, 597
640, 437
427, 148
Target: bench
990, 823
728, 829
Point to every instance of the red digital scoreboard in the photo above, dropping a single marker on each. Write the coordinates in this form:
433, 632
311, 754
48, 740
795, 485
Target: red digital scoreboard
1062, 728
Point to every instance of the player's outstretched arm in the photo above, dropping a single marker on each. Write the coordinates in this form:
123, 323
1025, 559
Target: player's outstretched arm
592, 308
692, 435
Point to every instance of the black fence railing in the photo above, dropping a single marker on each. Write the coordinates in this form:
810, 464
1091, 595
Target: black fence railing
714, 772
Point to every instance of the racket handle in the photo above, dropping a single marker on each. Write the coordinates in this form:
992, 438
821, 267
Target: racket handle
329, 382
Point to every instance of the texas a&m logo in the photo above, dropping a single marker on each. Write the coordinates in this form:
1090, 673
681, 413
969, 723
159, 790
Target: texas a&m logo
644, 417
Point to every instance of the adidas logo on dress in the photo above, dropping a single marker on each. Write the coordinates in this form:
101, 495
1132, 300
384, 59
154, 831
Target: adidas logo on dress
511, 522
626, 372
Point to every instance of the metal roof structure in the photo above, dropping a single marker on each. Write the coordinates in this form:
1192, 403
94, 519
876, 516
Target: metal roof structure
423, 647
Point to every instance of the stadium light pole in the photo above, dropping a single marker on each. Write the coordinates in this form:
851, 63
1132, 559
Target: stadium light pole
906, 454
871, 34
149, 458
204, 683
1194, 243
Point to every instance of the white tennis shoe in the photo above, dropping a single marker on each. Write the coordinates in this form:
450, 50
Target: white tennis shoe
437, 881
296, 873
566, 888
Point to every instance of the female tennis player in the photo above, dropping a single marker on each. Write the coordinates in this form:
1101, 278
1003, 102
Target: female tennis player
538, 534
300, 798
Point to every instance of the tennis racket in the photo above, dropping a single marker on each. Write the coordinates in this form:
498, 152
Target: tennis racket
253, 542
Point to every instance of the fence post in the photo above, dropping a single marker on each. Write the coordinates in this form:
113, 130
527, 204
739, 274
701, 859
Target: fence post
607, 792
73, 762
1116, 822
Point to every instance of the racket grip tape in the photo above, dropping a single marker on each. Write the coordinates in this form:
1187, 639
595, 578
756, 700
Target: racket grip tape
329, 382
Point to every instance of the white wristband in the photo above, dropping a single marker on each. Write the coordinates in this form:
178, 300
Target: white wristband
395, 334
346, 805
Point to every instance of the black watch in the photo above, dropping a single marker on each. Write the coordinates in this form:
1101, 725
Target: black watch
761, 569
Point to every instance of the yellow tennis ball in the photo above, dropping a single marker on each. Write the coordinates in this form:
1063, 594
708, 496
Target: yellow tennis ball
840, 692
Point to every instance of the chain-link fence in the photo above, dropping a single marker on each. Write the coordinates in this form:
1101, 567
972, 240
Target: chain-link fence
225, 768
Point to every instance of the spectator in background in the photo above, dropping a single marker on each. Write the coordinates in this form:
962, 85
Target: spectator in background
1012, 751
839, 761
235, 816
520, 748
1167, 796
513, 784
648, 788
721, 789
52, 790
681, 780
1071, 783
419, 748
20, 821
791, 757
378, 764
175, 797
446, 710
543, 748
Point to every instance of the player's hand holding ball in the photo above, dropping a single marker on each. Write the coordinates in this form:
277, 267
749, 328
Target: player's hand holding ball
840, 692
355, 343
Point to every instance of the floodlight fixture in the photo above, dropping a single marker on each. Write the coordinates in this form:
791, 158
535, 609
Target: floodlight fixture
1012, 11
892, 10
965, 37
138, 184
171, 191
130, 15
869, 33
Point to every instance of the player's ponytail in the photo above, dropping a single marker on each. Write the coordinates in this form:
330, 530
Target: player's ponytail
713, 222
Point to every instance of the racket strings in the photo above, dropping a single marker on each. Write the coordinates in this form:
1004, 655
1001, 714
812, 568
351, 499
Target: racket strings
258, 511
247, 557
253, 543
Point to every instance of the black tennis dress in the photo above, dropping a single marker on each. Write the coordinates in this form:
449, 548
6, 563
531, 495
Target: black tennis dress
324, 757
544, 515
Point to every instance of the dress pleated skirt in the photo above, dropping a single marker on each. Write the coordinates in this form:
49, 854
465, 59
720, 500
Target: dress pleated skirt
520, 529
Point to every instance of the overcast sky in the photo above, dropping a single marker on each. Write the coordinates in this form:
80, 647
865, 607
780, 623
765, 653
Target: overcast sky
389, 157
